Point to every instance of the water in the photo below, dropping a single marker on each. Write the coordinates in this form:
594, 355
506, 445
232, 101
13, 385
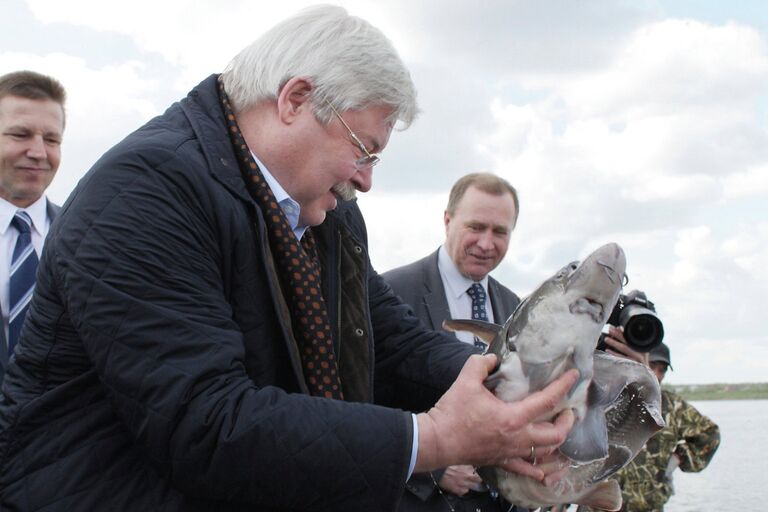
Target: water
737, 477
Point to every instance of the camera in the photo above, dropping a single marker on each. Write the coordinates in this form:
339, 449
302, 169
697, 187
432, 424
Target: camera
637, 316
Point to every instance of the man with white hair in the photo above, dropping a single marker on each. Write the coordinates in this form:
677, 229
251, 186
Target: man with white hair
207, 327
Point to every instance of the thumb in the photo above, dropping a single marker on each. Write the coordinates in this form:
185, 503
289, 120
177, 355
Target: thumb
480, 366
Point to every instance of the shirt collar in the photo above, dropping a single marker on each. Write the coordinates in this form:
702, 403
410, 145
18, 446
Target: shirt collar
290, 207
38, 212
456, 284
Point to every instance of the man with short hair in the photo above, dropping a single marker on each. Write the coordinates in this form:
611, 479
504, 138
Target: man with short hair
454, 283
207, 328
31, 130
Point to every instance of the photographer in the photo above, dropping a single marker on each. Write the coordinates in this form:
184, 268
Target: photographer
689, 439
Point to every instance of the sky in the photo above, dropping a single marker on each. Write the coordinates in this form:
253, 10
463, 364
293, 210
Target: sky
640, 122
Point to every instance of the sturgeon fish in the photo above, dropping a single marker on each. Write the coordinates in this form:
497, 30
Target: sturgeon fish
617, 402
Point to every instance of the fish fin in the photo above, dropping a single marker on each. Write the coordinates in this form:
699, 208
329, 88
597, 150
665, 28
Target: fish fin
605, 495
588, 439
618, 457
486, 331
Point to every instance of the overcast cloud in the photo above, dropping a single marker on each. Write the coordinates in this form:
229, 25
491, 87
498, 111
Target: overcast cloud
644, 123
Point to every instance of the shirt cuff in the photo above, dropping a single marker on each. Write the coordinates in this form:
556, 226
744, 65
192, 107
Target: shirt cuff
414, 446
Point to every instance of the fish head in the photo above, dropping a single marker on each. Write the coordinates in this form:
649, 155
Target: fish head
564, 316
594, 285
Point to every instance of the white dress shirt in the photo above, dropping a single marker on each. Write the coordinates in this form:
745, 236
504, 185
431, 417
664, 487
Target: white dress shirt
8, 234
456, 285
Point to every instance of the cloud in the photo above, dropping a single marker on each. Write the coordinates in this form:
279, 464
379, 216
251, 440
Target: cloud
614, 122
393, 235
103, 105
751, 182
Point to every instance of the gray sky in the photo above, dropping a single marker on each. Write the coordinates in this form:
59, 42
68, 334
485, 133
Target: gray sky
642, 122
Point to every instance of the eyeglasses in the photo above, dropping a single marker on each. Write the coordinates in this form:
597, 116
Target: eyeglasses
369, 160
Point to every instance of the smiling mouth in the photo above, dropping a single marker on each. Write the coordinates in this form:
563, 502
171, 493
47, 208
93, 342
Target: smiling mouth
32, 169
480, 256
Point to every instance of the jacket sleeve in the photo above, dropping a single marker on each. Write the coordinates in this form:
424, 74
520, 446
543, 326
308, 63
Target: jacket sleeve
698, 436
140, 267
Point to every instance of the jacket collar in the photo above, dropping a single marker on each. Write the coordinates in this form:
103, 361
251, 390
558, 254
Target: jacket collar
206, 118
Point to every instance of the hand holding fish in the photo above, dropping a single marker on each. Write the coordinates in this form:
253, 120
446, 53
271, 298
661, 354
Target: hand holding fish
469, 425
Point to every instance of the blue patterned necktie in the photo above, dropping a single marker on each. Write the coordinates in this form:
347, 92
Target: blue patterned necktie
477, 294
22, 281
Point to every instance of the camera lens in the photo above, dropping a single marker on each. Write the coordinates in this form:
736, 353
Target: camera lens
642, 328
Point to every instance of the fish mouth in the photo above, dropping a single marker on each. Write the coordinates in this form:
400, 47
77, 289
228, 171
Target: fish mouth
588, 306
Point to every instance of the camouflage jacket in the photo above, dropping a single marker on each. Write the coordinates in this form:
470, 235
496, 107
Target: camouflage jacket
646, 482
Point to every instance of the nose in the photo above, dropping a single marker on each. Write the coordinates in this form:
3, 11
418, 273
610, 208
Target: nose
485, 240
36, 148
363, 179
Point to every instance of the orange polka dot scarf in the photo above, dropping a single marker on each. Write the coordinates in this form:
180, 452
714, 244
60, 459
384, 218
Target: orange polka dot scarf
298, 268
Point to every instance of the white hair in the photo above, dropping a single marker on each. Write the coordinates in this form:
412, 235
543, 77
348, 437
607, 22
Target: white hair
348, 61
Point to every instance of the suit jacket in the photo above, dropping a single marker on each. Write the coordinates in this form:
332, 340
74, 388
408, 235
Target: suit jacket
52, 210
420, 285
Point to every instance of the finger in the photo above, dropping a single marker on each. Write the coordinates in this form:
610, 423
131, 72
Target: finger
616, 344
478, 367
616, 332
554, 462
491, 363
478, 486
556, 476
546, 437
523, 467
474, 478
540, 402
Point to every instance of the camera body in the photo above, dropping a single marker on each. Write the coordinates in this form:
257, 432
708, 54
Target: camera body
637, 316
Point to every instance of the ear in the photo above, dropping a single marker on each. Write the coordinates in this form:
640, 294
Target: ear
446, 220
293, 99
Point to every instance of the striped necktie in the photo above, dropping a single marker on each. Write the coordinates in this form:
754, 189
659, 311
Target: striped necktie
22, 281
477, 294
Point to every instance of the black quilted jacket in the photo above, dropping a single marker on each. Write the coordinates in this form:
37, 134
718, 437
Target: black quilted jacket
156, 369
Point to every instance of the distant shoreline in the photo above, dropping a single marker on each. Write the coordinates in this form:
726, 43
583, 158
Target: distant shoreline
746, 391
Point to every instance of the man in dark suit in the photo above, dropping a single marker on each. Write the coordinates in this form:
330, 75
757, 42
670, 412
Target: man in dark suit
481, 214
31, 128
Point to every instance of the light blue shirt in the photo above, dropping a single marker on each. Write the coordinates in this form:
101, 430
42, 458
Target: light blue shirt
456, 285
292, 209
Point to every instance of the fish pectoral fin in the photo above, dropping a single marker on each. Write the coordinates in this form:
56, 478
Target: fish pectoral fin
588, 439
486, 331
605, 495
618, 457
